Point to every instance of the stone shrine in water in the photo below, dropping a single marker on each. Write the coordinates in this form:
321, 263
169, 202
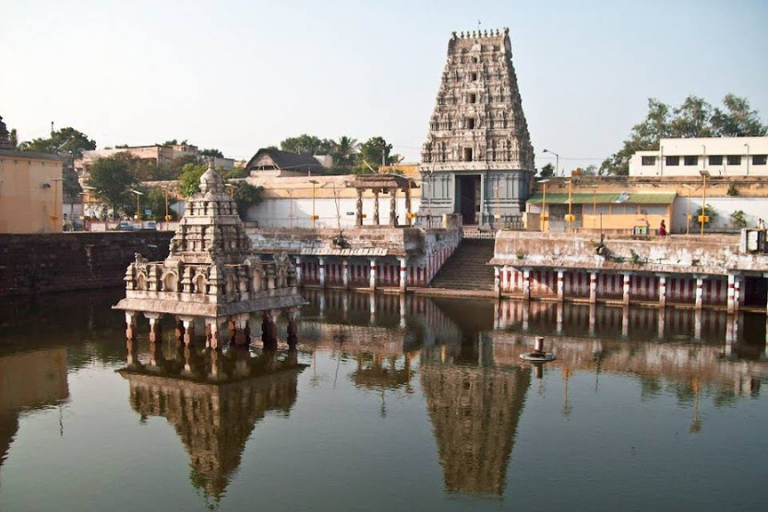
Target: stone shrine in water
211, 275
478, 158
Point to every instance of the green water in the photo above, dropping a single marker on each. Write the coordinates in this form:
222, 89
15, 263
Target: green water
386, 405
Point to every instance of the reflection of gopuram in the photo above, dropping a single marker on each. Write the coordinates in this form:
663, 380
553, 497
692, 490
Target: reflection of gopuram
474, 413
211, 274
213, 400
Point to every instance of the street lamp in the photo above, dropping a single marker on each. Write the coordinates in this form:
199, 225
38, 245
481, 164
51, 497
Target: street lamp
138, 208
688, 209
543, 217
557, 160
703, 218
314, 216
570, 217
55, 215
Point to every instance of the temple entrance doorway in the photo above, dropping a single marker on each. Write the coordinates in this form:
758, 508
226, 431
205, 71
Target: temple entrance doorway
468, 194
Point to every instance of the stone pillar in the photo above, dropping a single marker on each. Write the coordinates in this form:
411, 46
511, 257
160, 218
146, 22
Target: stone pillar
526, 284
403, 273
738, 296
699, 293
215, 336
321, 270
269, 328
497, 280
375, 208
593, 287
627, 282
130, 325
662, 291
359, 208
299, 273
345, 273
731, 288
407, 205
189, 329
560, 285
372, 276
393, 208
239, 328
155, 334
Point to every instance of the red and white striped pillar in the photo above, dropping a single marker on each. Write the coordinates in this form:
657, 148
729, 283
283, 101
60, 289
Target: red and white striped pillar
592, 287
560, 285
625, 289
403, 273
662, 290
372, 276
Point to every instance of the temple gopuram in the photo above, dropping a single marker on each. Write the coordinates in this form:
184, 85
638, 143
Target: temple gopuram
212, 276
477, 160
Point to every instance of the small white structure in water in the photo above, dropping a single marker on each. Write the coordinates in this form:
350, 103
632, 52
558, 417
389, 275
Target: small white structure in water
538, 355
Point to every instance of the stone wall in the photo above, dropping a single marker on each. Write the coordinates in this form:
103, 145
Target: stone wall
73, 261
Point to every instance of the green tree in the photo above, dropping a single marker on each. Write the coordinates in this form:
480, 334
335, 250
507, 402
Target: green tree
547, 171
211, 152
176, 166
738, 119
739, 219
112, 178
692, 119
344, 151
13, 138
153, 198
306, 144
67, 141
246, 195
374, 152
189, 180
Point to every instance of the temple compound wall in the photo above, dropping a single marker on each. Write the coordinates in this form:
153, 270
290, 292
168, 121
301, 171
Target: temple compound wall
364, 257
477, 160
730, 272
48, 263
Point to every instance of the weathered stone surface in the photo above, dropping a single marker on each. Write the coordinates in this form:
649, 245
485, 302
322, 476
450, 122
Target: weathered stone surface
47, 263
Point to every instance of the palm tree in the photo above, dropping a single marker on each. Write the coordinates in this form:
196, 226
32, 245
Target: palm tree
344, 151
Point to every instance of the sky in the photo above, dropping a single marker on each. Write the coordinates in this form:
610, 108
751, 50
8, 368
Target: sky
240, 75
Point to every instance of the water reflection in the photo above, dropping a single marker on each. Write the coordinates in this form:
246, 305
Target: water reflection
456, 364
29, 381
213, 399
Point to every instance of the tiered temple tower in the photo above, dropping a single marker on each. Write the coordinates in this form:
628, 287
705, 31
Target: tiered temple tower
212, 275
478, 159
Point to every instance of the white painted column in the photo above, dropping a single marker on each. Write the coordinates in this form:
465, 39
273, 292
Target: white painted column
299, 273
321, 270
662, 291
403, 273
372, 277
731, 293
526, 285
154, 326
189, 329
699, 293
345, 273
214, 334
130, 325
560, 285
738, 296
497, 280
627, 282
593, 287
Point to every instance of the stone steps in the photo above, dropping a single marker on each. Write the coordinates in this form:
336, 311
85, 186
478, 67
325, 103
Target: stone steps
467, 268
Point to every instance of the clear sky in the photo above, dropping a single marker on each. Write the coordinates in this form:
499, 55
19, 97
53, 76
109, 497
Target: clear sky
239, 75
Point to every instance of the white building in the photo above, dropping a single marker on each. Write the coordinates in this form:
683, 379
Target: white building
721, 156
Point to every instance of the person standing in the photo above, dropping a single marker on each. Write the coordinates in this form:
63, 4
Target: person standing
662, 228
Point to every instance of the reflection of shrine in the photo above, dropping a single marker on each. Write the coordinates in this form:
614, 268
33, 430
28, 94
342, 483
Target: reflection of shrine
29, 380
474, 413
213, 399
375, 371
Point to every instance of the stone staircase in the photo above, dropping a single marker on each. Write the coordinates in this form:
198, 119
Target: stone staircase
466, 269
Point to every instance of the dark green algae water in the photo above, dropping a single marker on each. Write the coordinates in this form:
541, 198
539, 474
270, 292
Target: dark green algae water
386, 405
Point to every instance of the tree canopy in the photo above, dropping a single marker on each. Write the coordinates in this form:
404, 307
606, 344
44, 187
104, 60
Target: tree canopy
307, 144
112, 178
189, 180
66, 141
695, 117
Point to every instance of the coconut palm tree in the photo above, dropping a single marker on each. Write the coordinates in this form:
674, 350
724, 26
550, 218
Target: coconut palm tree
344, 151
